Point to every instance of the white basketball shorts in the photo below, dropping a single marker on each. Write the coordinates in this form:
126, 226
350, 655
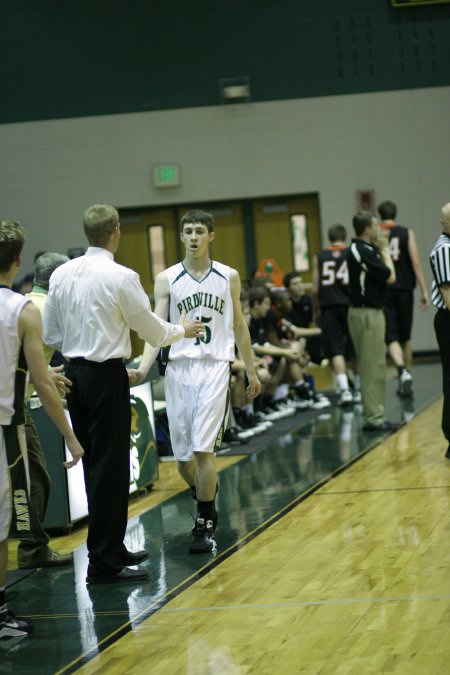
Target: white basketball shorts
197, 392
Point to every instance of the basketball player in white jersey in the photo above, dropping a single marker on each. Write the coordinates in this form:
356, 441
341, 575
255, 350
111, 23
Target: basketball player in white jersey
198, 372
20, 348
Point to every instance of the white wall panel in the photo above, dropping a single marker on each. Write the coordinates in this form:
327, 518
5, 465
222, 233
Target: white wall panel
397, 143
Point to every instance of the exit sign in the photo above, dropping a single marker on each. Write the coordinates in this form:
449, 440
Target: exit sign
166, 176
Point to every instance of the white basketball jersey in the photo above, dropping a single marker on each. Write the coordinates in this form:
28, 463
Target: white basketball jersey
208, 300
11, 305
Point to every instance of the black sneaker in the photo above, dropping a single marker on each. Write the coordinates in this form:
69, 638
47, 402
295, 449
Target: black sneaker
405, 385
13, 626
303, 391
231, 437
203, 537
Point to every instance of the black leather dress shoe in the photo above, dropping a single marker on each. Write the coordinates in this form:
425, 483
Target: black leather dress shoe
384, 426
447, 454
130, 558
125, 575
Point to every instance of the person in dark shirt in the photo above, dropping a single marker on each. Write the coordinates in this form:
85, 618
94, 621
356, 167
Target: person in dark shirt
260, 325
287, 358
370, 269
301, 314
282, 331
331, 302
399, 303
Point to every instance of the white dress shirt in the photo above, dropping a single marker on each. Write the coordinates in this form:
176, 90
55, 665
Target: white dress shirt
92, 304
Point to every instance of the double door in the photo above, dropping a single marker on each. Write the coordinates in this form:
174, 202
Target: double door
286, 229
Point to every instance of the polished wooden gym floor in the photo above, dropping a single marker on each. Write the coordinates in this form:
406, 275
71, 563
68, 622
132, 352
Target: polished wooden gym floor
333, 558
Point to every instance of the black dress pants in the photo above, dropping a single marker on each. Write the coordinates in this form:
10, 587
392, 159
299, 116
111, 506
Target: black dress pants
99, 407
442, 328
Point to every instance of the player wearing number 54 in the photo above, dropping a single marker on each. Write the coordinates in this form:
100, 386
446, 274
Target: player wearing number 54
331, 299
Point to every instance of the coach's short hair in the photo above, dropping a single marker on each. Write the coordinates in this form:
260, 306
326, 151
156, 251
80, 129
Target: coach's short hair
361, 220
99, 222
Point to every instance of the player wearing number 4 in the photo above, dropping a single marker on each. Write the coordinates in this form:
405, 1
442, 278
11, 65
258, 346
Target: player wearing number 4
399, 300
331, 302
198, 372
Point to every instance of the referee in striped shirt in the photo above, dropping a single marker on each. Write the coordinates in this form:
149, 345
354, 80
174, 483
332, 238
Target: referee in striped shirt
440, 298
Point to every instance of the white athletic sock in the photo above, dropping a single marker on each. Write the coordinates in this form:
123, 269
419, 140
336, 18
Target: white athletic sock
281, 392
342, 381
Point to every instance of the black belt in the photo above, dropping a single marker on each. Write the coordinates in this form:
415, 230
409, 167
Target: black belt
362, 306
79, 361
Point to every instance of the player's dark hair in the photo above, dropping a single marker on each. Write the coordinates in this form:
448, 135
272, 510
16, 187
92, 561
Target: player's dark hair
361, 220
387, 210
277, 295
288, 278
337, 233
198, 216
257, 295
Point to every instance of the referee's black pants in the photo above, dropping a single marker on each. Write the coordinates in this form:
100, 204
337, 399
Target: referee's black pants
442, 328
99, 407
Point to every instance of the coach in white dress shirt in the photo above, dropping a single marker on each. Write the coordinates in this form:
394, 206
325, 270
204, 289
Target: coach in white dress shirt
91, 306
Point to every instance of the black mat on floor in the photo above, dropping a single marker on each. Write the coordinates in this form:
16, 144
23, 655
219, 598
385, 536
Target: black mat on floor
14, 576
279, 428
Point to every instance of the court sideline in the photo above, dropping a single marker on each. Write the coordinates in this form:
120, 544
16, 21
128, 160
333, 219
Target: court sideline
343, 581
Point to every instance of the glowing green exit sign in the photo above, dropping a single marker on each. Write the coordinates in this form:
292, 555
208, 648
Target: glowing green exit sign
166, 176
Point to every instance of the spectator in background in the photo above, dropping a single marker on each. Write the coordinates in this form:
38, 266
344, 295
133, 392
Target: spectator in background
399, 303
331, 302
440, 298
370, 269
287, 360
282, 332
302, 314
26, 284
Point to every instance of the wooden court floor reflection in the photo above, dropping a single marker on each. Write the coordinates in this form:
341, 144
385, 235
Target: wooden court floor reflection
351, 579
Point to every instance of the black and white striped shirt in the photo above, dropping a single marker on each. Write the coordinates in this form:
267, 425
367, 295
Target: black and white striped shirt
440, 266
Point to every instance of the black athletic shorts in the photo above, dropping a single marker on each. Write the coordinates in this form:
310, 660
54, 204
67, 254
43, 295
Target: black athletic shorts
398, 310
336, 338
